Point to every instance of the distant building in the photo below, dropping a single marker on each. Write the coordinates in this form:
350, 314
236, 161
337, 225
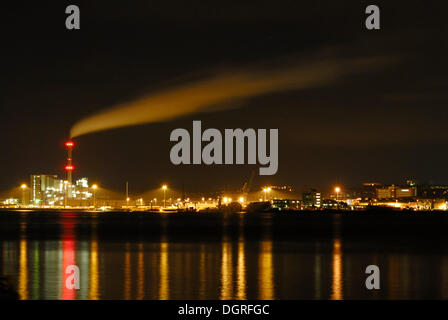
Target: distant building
392, 192
312, 199
369, 189
286, 204
11, 201
50, 190
433, 192
281, 192
385, 192
282, 188
44, 188
405, 192
81, 189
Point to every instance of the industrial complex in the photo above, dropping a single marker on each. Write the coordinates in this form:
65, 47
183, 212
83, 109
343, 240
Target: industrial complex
51, 191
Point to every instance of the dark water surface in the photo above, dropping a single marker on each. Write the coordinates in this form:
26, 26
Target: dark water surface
217, 256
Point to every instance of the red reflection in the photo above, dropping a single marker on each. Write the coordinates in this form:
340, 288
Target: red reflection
68, 257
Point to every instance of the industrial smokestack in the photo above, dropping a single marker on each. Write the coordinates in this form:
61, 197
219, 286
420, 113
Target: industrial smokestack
69, 166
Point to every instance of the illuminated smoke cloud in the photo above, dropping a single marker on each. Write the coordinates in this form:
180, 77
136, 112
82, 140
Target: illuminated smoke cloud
202, 95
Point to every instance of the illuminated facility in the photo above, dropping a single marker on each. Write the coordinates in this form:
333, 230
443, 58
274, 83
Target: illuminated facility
49, 190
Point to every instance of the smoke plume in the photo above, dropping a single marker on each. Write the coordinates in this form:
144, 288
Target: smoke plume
201, 95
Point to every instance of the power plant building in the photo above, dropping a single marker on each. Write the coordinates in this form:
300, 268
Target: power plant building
45, 189
50, 190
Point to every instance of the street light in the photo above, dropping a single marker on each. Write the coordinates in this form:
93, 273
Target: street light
337, 189
268, 189
94, 187
164, 194
23, 187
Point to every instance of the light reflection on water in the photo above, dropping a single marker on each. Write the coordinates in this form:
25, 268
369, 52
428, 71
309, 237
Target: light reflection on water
93, 267
238, 266
336, 284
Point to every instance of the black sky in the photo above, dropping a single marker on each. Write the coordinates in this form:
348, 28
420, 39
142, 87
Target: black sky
385, 125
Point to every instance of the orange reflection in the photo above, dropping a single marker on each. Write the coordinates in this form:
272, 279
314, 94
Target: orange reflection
336, 285
94, 279
164, 272
36, 272
226, 271
399, 274
127, 272
266, 271
241, 270
23, 264
140, 273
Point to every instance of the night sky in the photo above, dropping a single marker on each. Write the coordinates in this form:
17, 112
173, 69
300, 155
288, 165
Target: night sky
385, 124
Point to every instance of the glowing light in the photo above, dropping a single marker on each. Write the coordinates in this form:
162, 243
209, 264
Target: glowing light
164, 187
337, 189
225, 199
226, 271
241, 284
164, 270
266, 189
23, 269
241, 199
95, 186
266, 271
24, 186
69, 168
94, 276
69, 144
336, 284
68, 257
